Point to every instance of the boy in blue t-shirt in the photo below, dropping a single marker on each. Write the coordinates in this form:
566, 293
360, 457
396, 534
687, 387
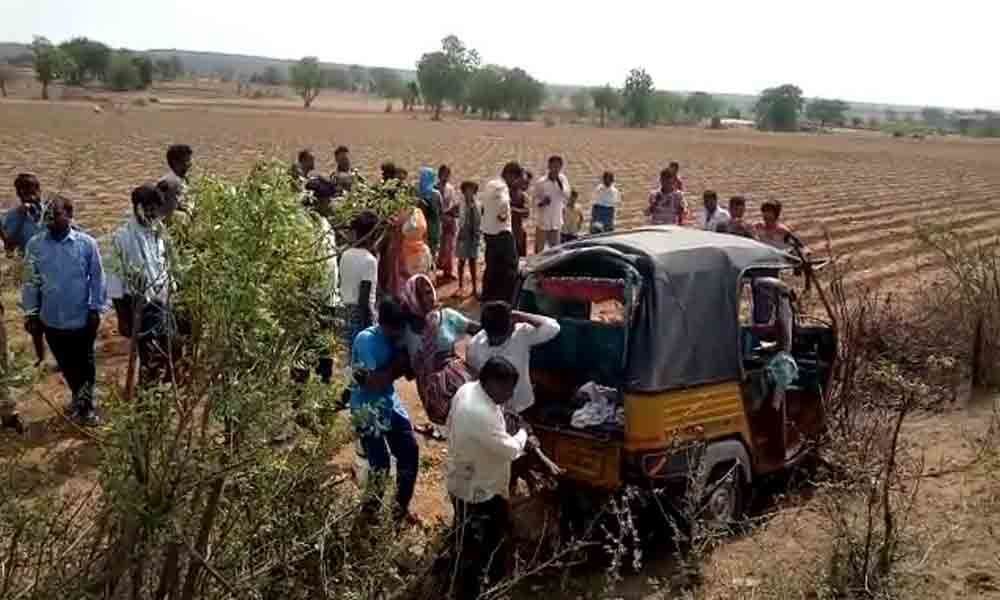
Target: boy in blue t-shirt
379, 417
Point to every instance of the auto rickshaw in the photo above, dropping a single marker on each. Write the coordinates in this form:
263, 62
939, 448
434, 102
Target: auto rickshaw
674, 339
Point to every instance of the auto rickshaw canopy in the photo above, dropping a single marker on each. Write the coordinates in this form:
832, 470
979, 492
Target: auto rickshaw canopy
685, 329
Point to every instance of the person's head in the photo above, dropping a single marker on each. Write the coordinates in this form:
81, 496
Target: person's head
388, 170
608, 178
391, 319
323, 190
307, 162
469, 190
343, 158
444, 174
528, 179
737, 207
170, 191
60, 216
512, 174
147, 203
179, 159
420, 295
771, 211
573, 197
427, 181
497, 322
28, 188
363, 227
555, 166
711, 200
675, 167
499, 379
667, 180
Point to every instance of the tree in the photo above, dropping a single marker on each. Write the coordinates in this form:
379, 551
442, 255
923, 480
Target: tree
935, 117
359, 78
123, 74
523, 94
606, 100
464, 62
581, 101
337, 79
307, 79
701, 105
874, 123
734, 113
668, 107
857, 122
272, 76
387, 83
8, 74
91, 59
827, 111
778, 108
638, 98
891, 115
437, 80
486, 91
49, 62
144, 66
412, 97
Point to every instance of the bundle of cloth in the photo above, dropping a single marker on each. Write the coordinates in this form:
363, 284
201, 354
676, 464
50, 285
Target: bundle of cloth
599, 407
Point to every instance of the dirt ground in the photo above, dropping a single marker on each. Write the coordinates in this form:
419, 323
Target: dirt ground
865, 191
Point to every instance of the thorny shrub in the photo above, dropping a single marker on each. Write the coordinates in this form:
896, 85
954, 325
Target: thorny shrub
193, 498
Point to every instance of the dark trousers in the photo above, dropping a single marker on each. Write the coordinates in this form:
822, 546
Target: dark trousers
500, 275
74, 353
480, 545
398, 441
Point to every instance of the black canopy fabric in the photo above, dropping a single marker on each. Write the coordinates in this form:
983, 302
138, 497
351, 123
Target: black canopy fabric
686, 328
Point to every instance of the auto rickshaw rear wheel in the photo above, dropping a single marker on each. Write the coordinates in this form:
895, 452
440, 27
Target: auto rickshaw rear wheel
724, 501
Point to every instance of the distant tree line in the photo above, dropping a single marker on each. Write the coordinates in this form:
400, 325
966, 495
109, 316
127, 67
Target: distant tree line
455, 75
80, 61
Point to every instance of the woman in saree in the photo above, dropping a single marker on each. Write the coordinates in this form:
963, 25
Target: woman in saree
430, 340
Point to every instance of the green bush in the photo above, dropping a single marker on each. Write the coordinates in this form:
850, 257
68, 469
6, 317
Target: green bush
123, 74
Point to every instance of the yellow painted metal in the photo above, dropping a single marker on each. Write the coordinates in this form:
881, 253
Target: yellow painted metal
656, 421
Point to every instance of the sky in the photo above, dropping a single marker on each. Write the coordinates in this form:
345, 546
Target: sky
892, 51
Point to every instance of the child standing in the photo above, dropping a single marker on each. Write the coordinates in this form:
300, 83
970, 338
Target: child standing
469, 232
572, 219
606, 200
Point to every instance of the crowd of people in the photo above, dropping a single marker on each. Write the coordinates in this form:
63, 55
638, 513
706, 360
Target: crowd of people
383, 291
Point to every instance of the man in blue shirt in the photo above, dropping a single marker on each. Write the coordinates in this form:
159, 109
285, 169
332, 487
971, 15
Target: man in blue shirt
22, 222
379, 417
63, 297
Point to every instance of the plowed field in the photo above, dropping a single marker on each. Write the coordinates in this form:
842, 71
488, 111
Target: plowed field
867, 190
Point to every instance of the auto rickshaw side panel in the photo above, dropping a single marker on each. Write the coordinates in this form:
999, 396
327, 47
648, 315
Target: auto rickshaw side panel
593, 461
661, 420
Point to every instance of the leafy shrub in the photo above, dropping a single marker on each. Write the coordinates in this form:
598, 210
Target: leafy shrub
123, 74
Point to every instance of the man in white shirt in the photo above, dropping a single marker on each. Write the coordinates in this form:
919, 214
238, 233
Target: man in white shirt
511, 334
480, 453
551, 194
138, 280
359, 277
713, 216
607, 198
500, 274
323, 190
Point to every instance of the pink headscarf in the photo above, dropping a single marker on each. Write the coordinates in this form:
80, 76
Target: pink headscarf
411, 298
424, 362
